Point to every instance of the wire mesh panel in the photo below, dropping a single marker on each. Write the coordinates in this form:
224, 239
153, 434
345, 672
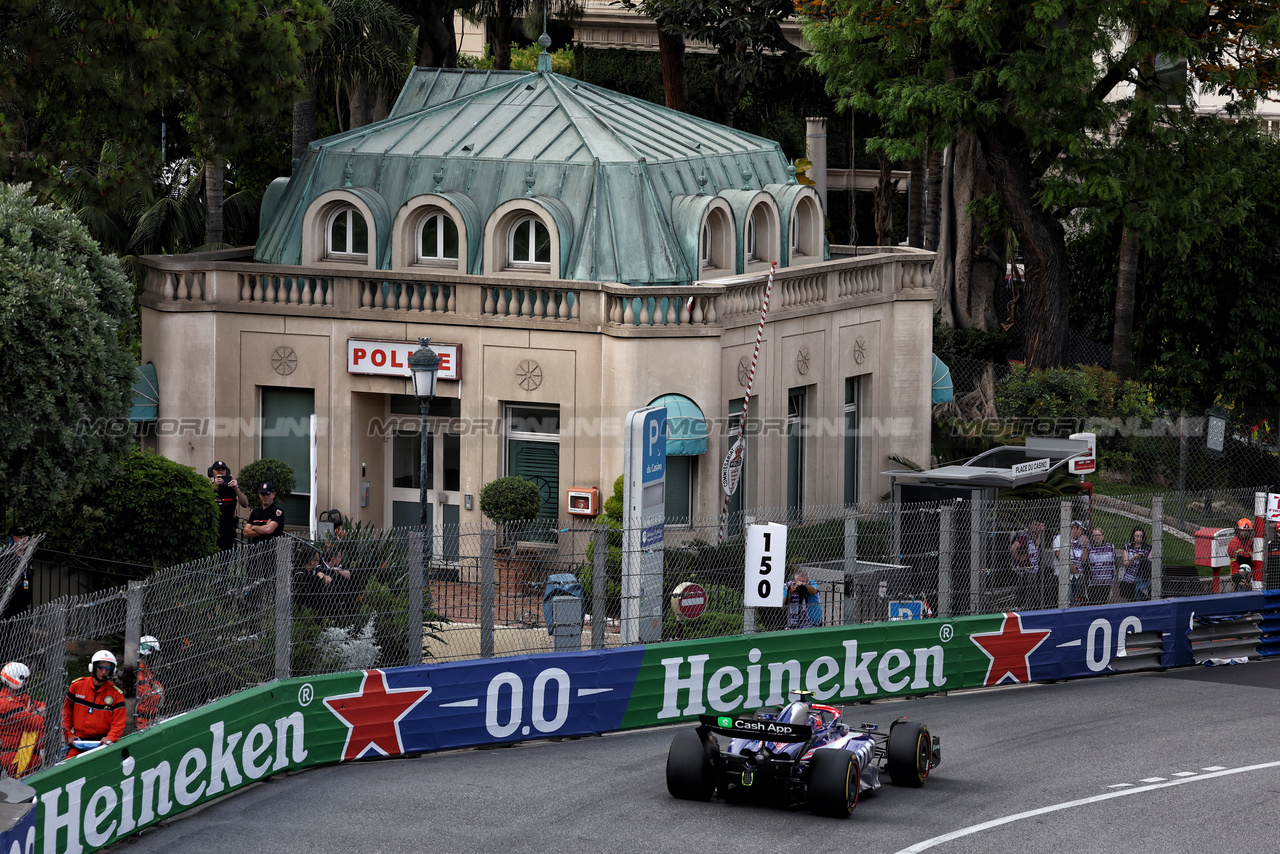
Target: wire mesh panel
382, 598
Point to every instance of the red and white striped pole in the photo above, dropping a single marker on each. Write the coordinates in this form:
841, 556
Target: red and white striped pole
746, 401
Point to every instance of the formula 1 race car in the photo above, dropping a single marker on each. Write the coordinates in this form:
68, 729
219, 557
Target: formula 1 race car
799, 754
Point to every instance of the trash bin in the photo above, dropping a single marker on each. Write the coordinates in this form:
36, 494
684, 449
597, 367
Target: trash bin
562, 610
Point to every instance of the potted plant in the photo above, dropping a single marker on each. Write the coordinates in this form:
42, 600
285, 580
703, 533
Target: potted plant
505, 501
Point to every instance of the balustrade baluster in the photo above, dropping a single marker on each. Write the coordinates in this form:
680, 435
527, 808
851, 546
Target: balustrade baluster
526, 307
629, 314
246, 290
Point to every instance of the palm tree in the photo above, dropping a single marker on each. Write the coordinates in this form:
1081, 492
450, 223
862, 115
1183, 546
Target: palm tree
501, 16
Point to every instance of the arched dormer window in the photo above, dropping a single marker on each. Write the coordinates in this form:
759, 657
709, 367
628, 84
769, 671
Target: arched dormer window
437, 239
715, 244
347, 235
806, 231
761, 237
529, 245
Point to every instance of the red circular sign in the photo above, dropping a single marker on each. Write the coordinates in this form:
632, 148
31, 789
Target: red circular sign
692, 601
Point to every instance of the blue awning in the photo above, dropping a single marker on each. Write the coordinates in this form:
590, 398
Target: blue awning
146, 394
943, 392
686, 426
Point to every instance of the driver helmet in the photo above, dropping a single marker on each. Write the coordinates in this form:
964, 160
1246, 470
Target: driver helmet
103, 656
1244, 525
15, 675
148, 645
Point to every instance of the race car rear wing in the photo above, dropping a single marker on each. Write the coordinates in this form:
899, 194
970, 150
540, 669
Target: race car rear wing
755, 729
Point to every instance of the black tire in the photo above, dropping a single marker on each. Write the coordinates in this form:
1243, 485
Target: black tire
691, 772
910, 754
833, 783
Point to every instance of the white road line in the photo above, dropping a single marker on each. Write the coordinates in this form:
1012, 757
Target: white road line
1184, 774
1215, 768
1152, 780
1010, 819
1120, 786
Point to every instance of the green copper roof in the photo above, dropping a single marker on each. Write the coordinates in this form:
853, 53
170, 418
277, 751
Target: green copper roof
616, 166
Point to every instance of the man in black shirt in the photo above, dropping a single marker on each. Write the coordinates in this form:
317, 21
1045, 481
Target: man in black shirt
265, 522
228, 496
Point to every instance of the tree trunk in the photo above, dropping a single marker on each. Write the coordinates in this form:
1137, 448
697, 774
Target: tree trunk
1126, 284
885, 193
915, 205
729, 89
933, 197
213, 170
675, 84
967, 272
381, 106
1043, 242
304, 122
360, 105
501, 42
436, 45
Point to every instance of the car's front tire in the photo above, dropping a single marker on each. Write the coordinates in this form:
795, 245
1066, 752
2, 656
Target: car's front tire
833, 783
691, 771
909, 754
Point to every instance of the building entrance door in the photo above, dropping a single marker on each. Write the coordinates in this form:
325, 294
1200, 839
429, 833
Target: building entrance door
444, 458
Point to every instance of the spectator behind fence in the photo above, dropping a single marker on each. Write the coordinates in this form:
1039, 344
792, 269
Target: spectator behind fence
1102, 569
94, 707
1079, 558
150, 689
1135, 583
21, 598
265, 522
1026, 551
21, 722
1240, 549
229, 496
323, 584
804, 609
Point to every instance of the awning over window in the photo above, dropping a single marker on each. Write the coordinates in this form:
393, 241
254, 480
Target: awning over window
686, 426
146, 394
943, 392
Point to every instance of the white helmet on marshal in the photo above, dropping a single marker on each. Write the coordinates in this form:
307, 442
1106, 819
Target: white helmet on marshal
148, 645
102, 656
15, 674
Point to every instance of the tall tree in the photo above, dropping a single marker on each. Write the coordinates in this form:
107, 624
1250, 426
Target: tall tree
437, 47
363, 59
66, 320
1035, 83
743, 32
242, 62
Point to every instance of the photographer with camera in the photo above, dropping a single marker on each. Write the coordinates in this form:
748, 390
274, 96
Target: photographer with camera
804, 609
228, 495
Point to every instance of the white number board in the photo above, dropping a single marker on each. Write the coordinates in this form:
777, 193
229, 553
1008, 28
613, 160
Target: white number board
766, 576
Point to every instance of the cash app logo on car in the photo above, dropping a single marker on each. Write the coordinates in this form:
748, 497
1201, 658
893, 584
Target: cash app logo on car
725, 722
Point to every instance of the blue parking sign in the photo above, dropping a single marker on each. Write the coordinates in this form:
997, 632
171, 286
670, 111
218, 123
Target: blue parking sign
653, 452
906, 611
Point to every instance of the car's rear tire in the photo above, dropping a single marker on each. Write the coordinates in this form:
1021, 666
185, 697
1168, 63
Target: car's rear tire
909, 754
691, 771
833, 783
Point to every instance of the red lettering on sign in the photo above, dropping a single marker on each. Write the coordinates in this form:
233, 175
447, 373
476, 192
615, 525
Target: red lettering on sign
395, 363
379, 357
357, 353
445, 359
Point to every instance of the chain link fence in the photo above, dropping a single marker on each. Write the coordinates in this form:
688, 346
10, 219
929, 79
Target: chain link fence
383, 598
1167, 453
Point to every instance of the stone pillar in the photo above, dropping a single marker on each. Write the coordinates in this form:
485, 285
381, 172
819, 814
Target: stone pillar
816, 150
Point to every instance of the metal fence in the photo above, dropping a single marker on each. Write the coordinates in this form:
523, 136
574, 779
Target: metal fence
1140, 455
381, 598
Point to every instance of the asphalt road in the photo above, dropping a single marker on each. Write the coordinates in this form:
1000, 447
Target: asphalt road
1183, 761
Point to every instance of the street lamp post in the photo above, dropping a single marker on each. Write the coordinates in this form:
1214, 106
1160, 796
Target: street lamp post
424, 364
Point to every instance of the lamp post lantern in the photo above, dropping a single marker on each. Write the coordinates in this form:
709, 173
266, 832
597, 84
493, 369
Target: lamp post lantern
424, 364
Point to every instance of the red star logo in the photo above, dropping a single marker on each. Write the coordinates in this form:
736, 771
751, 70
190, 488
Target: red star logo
1009, 650
373, 715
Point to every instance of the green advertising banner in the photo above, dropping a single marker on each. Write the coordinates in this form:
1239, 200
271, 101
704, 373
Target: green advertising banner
107, 794
678, 681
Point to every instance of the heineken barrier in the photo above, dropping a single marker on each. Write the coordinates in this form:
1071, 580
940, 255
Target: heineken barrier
110, 793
